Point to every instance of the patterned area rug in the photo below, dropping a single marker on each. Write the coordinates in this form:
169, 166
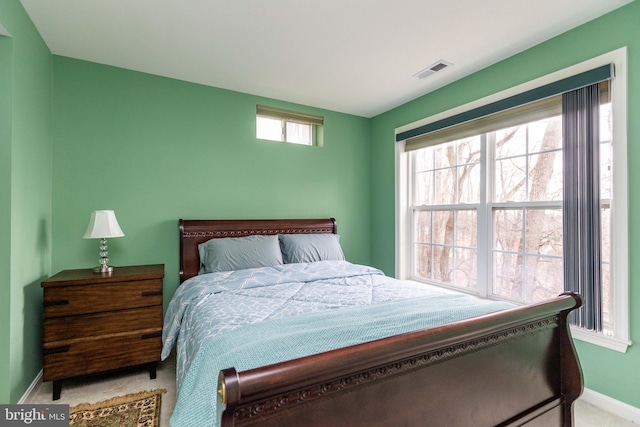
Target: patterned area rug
131, 410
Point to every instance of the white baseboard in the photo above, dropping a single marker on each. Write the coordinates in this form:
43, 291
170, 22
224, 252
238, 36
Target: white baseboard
609, 404
30, 393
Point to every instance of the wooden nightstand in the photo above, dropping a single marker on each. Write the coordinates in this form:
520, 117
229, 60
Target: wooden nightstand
100, 322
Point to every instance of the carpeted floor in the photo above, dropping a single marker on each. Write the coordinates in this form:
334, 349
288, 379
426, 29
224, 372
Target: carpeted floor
98, 388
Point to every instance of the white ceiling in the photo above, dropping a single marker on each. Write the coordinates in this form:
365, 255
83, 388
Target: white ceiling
352, 56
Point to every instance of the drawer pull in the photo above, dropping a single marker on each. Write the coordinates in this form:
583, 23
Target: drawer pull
151, 293
56, 302
151, 335
54, 350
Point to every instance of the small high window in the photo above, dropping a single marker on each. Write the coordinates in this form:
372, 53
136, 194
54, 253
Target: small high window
276, 124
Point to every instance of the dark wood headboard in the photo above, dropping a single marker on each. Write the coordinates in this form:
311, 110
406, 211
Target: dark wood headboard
196, 231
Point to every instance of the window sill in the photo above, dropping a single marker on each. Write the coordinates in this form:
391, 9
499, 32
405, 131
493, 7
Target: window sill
591, 337
612, 343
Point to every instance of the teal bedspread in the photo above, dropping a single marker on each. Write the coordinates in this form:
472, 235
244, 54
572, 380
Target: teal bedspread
379, 307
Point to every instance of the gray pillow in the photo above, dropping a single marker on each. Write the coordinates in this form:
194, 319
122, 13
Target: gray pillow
238, 253
310, 247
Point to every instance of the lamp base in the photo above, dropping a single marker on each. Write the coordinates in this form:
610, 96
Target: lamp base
103, 269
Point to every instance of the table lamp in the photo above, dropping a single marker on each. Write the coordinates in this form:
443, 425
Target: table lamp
103, 225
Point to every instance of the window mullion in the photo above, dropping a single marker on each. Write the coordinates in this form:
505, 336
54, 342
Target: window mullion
412, 212
484, 229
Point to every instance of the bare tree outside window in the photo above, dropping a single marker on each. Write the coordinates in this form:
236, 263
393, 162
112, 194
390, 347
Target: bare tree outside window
527, 245
447, 175
523, 166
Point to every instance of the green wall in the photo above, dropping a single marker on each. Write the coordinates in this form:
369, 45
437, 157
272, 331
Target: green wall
155, 150
606, 371
6, 68
25, 197
78, 136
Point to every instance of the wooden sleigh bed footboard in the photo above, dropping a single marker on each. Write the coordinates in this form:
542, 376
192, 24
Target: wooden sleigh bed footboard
510, 368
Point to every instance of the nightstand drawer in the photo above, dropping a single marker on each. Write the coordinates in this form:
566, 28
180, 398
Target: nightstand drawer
91, 356
98, 297
58, 329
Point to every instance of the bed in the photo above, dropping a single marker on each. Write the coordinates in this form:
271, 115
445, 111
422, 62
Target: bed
389, 363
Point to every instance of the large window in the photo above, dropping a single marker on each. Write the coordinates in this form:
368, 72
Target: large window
522, 166
483, 213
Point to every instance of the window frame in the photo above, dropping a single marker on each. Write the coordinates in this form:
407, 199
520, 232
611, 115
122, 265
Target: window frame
286, 117
619, 215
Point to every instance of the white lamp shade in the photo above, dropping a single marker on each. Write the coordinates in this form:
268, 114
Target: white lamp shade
103, 224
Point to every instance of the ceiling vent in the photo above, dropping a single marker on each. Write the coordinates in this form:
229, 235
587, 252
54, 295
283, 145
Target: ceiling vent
432, 69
